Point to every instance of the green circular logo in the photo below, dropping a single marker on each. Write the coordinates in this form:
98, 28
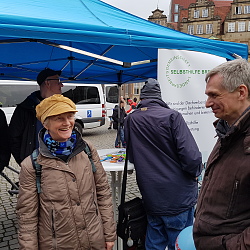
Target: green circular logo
179, 72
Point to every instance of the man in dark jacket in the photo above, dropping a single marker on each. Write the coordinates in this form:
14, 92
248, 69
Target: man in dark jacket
167, 162
4, 145
24, 126
223, 210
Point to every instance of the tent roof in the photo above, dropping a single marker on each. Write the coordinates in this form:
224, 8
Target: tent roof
34, 33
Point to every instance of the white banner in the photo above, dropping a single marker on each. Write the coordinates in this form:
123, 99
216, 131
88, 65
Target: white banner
181, 75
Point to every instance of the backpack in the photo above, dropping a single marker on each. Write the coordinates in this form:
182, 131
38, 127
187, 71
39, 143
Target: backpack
38, 167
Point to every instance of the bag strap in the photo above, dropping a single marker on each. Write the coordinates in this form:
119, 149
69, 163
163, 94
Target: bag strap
38, 169
124, 179
88, 152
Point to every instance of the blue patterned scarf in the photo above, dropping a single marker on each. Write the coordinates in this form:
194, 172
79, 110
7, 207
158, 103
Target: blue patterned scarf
60, 148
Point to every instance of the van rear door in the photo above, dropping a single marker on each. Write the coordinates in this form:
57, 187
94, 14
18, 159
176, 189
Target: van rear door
89, 102
111, 96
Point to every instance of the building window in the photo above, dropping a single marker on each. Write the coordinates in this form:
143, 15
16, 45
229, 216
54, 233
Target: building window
191, 29
231, 27
126, 89
209, 28
205, 13
247, 9
248, 26
241, 26
238, 10
176, 17
137, 87
199, 29
196, 14
176, 8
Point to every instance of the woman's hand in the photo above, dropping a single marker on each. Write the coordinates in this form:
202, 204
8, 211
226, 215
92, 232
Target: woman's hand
109, 245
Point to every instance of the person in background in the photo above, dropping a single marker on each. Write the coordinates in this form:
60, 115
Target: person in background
222, 218
167, 162
118, 123
24, 126
132, 105
74, 209
5, 142
135, 100
110, 122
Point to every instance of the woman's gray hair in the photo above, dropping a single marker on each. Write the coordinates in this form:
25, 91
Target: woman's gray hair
46, 121
234, 73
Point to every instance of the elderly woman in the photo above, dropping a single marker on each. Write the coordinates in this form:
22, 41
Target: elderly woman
74, 209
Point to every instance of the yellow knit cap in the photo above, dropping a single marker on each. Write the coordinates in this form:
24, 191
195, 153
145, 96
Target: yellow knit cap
54, 105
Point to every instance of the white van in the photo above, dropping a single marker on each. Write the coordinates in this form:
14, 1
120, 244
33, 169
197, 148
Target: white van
89, 99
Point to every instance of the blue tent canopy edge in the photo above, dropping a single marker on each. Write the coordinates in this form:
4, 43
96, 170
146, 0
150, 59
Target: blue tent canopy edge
90, 41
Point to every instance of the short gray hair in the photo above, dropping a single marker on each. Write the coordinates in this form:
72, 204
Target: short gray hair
234, 73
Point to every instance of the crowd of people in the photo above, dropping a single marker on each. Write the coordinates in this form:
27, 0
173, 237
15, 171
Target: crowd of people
74, 208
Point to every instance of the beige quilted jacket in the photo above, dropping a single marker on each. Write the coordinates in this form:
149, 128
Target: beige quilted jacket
74, 210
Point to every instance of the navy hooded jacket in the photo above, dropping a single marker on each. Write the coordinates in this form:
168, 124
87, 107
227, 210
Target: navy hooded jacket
166, 158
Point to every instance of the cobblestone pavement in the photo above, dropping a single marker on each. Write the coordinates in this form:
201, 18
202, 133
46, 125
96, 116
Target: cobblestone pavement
101, 137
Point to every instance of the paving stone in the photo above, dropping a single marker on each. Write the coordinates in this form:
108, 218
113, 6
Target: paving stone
5, 248
3, 244
14, 242
7, 236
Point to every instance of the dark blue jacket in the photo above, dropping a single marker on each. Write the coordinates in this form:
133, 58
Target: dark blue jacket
5, 142
166, 157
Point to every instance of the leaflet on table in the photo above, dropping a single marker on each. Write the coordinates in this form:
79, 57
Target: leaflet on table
114, 157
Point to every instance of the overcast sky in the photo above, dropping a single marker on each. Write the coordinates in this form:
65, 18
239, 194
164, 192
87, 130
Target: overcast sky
141, 8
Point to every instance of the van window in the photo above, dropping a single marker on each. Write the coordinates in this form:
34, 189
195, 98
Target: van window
112, 94
82, 94
11, 95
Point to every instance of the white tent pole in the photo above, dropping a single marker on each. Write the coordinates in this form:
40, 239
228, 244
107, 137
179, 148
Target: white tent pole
82, 52
104, 58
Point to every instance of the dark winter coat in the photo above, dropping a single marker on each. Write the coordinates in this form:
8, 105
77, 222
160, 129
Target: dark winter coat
24, 127
5, 144
166, 158
223, 210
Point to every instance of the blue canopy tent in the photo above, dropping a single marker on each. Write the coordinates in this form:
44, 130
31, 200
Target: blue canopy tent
90, 41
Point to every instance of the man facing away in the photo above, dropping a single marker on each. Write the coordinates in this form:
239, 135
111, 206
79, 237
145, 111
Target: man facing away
167, 162
223, 211
24, 126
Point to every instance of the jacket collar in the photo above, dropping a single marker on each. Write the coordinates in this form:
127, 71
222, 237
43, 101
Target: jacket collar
151, 102
223, 129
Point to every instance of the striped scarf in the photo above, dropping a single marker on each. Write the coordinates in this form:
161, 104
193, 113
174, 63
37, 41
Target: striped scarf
60, 148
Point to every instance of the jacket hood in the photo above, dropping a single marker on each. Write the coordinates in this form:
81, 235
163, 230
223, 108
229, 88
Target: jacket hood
151, 90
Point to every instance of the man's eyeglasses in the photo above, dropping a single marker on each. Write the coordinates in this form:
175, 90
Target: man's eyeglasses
56, 79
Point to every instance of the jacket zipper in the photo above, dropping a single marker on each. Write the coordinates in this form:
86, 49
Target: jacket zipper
53, 229
233, 199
